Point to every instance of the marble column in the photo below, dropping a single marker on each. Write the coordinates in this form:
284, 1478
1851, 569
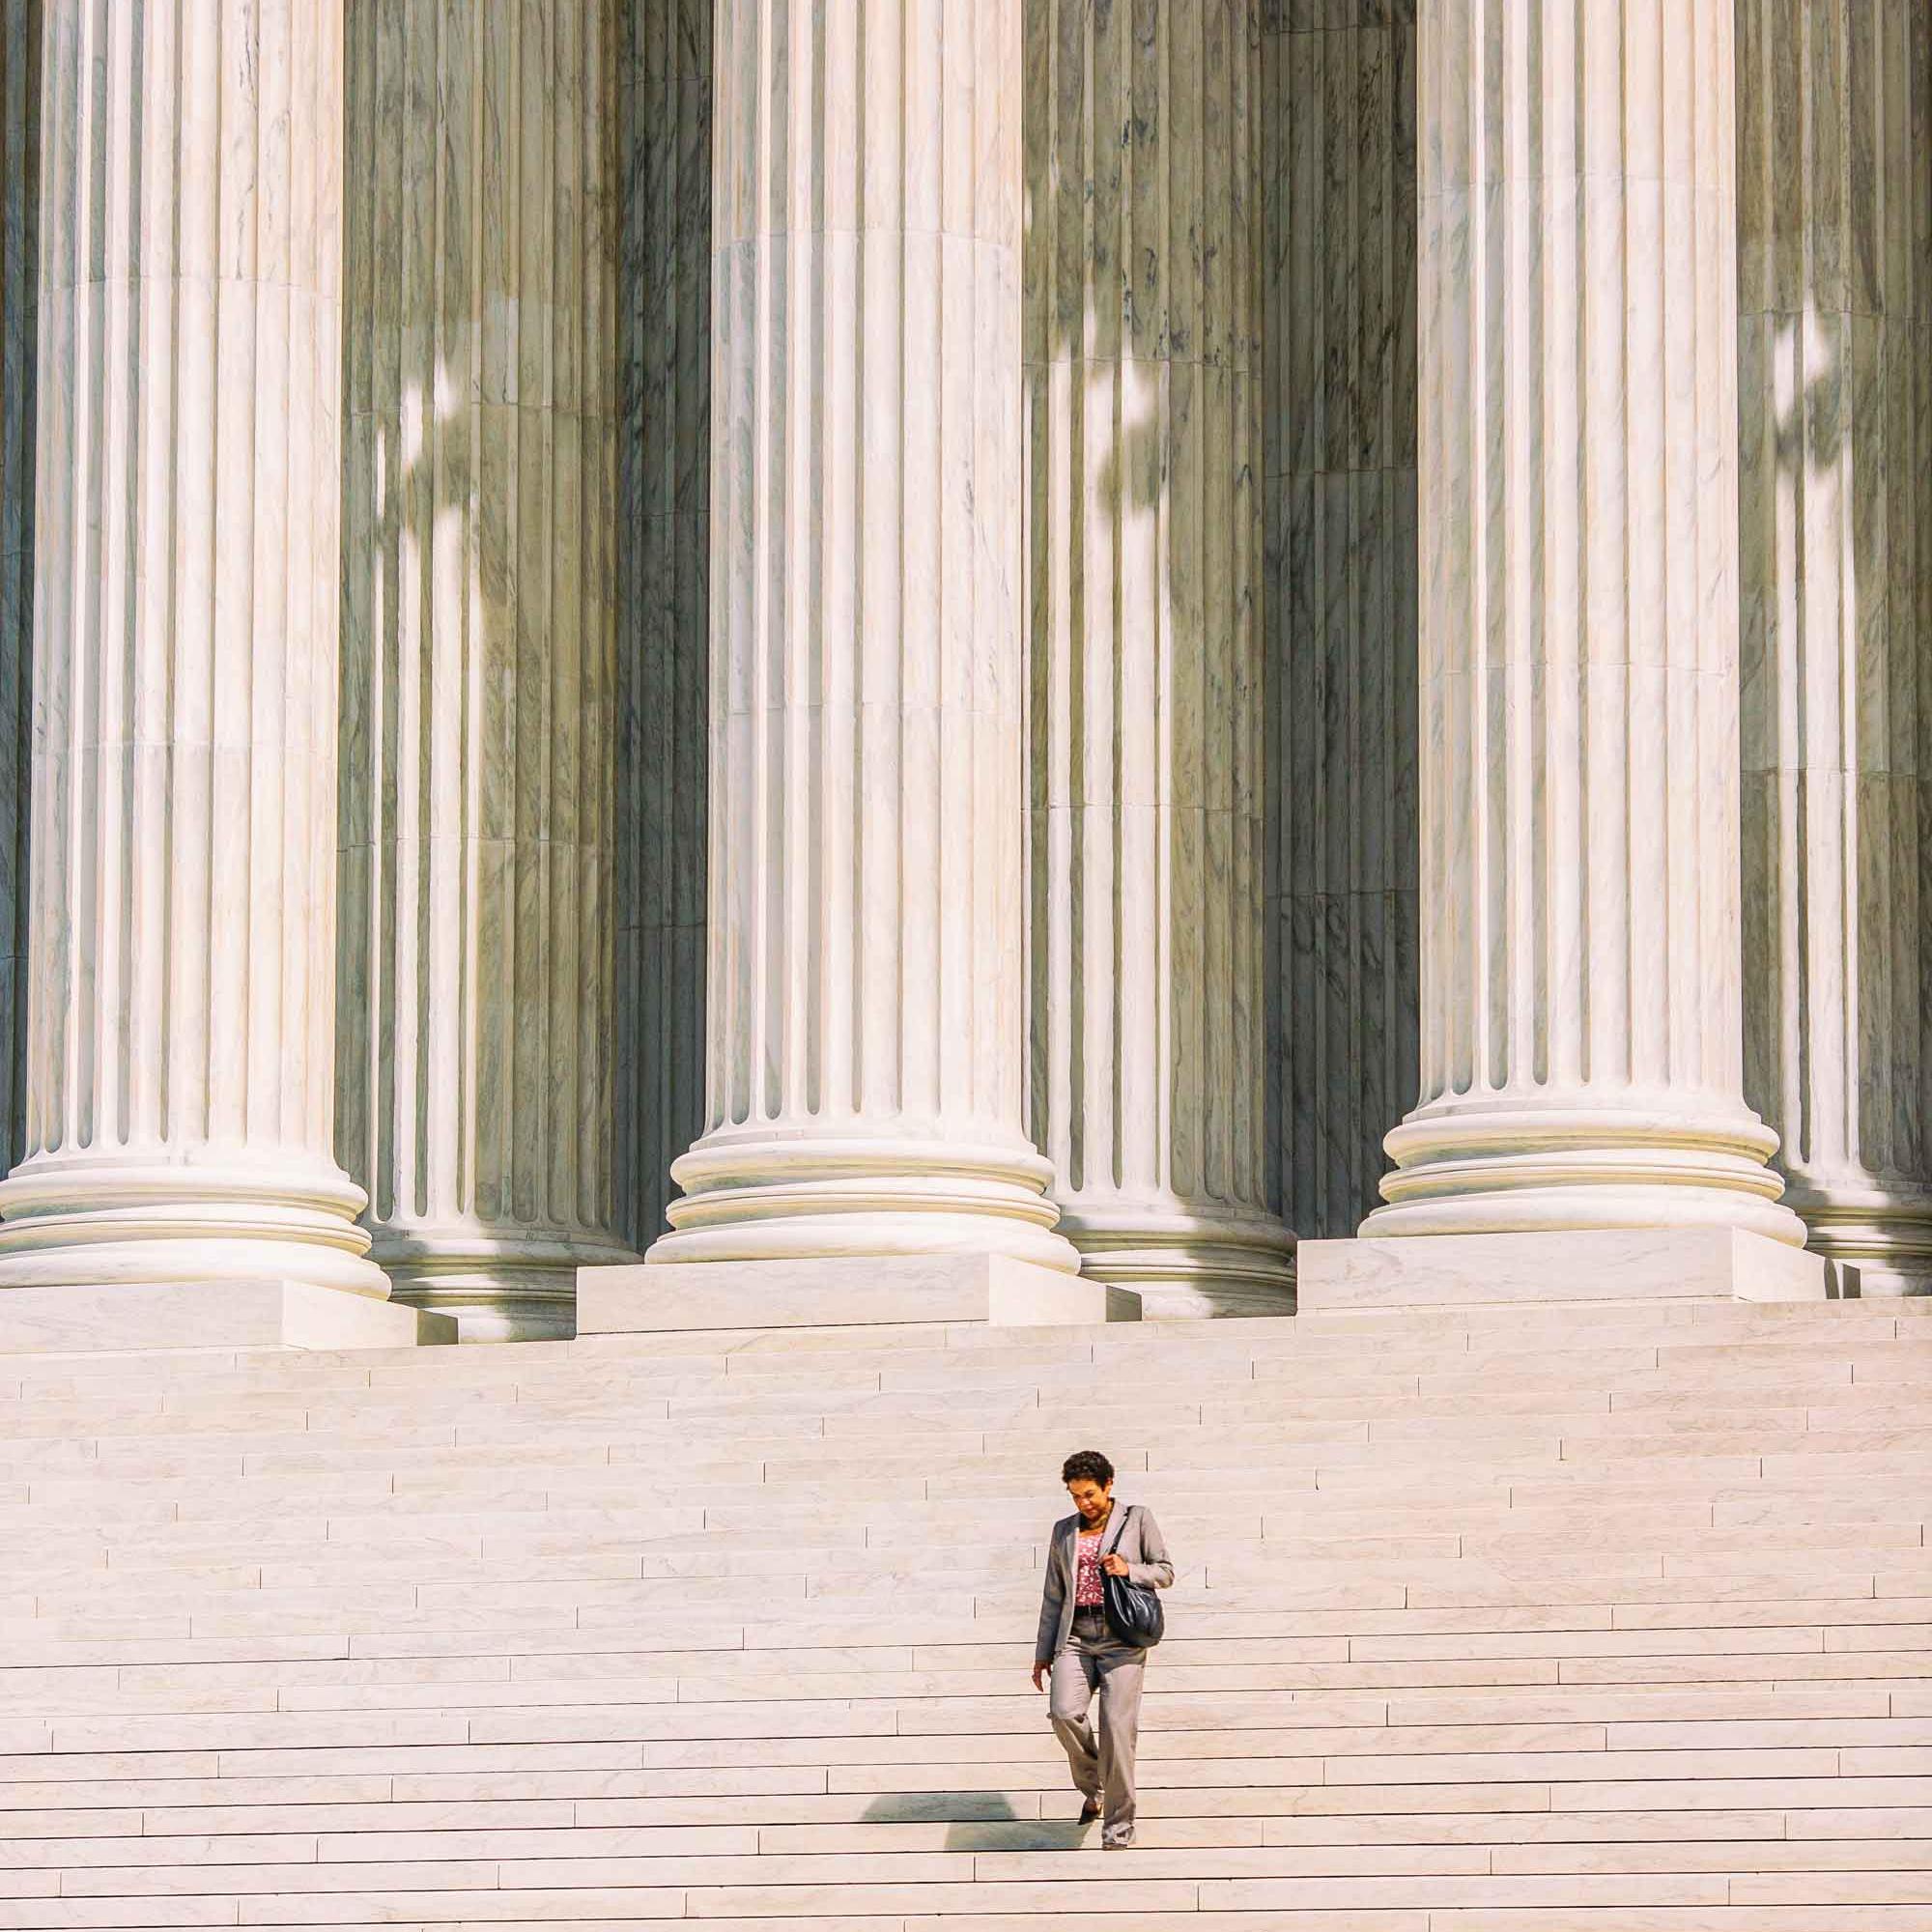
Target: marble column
1338, 175
182, 898
864, 1027
1582, 995
1142, 338
476, 1069
19, 278
664, 491
1834, 216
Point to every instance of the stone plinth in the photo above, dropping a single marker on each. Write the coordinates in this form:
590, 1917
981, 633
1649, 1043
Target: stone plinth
240, 1314
1596, 1264
992, 1289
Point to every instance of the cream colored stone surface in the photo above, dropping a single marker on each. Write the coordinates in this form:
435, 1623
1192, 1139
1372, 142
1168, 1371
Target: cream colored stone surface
1582, 998
1338, 175
1141, 340
476, 1094
664, 489
867, 1290
1834, 211
1575, 1265
263, 1314
865, 1024
182, 903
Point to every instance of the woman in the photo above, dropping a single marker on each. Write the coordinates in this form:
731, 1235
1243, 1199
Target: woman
1078, 1655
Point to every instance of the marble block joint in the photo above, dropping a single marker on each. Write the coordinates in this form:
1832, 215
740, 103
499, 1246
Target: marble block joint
182, 898
1580, 986
1142, 339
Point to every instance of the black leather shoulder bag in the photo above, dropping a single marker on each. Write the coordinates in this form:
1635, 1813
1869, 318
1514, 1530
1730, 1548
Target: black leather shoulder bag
1133, 1612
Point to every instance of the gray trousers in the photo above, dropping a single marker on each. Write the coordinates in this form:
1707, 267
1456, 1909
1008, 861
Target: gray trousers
1094, 1661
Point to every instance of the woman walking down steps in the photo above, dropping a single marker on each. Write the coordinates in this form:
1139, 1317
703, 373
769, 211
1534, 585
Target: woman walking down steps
1078, 1654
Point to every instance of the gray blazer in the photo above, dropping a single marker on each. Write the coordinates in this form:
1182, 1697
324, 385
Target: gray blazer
1148, 1565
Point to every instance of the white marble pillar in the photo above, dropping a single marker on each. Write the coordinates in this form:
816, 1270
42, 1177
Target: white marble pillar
19, 278
1582, 999
1338, 175
663, 490
1834, 193
865, 1054
182, 903
1143, 389
477, 1065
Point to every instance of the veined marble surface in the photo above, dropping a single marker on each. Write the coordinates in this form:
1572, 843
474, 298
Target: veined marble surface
663, 537
1834, 216
1338, 171
1581, 967
478, 676
20, 276
865, 974
181, 899
1142, 339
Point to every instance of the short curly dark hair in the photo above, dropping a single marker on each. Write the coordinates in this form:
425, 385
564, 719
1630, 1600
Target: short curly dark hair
1088, 1463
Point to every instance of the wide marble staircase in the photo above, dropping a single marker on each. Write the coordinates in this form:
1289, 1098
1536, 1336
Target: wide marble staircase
1599, 1616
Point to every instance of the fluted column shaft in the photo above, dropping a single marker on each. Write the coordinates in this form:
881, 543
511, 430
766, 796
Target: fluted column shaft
478, 664
183, 894
1143, 351
1579, 778
864, 985
1834, 104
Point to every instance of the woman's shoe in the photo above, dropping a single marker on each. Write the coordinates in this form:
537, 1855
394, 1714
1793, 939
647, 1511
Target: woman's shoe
1089, 1810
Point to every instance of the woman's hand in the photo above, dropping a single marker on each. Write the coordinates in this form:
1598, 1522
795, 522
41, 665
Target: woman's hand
1040, 1677
1114, 1564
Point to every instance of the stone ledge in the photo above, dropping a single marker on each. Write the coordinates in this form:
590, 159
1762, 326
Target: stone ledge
865, 1290
1581, 1265
258, 1314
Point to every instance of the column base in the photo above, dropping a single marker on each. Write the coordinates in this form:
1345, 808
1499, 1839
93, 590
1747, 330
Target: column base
230, 1313
113, 1219
1875, 1231
1186, 1265
853, 1291
769, 1194
507, 1287
1638, 1161
1542, 1269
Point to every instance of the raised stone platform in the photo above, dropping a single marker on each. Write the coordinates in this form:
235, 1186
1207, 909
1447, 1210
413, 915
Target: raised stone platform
897, 1289
265, 1314
1593, 1264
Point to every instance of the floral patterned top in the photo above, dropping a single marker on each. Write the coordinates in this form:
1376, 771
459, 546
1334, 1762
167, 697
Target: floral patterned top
1088, 1595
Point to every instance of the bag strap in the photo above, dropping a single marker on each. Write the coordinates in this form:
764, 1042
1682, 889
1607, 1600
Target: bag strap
1119, 1528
